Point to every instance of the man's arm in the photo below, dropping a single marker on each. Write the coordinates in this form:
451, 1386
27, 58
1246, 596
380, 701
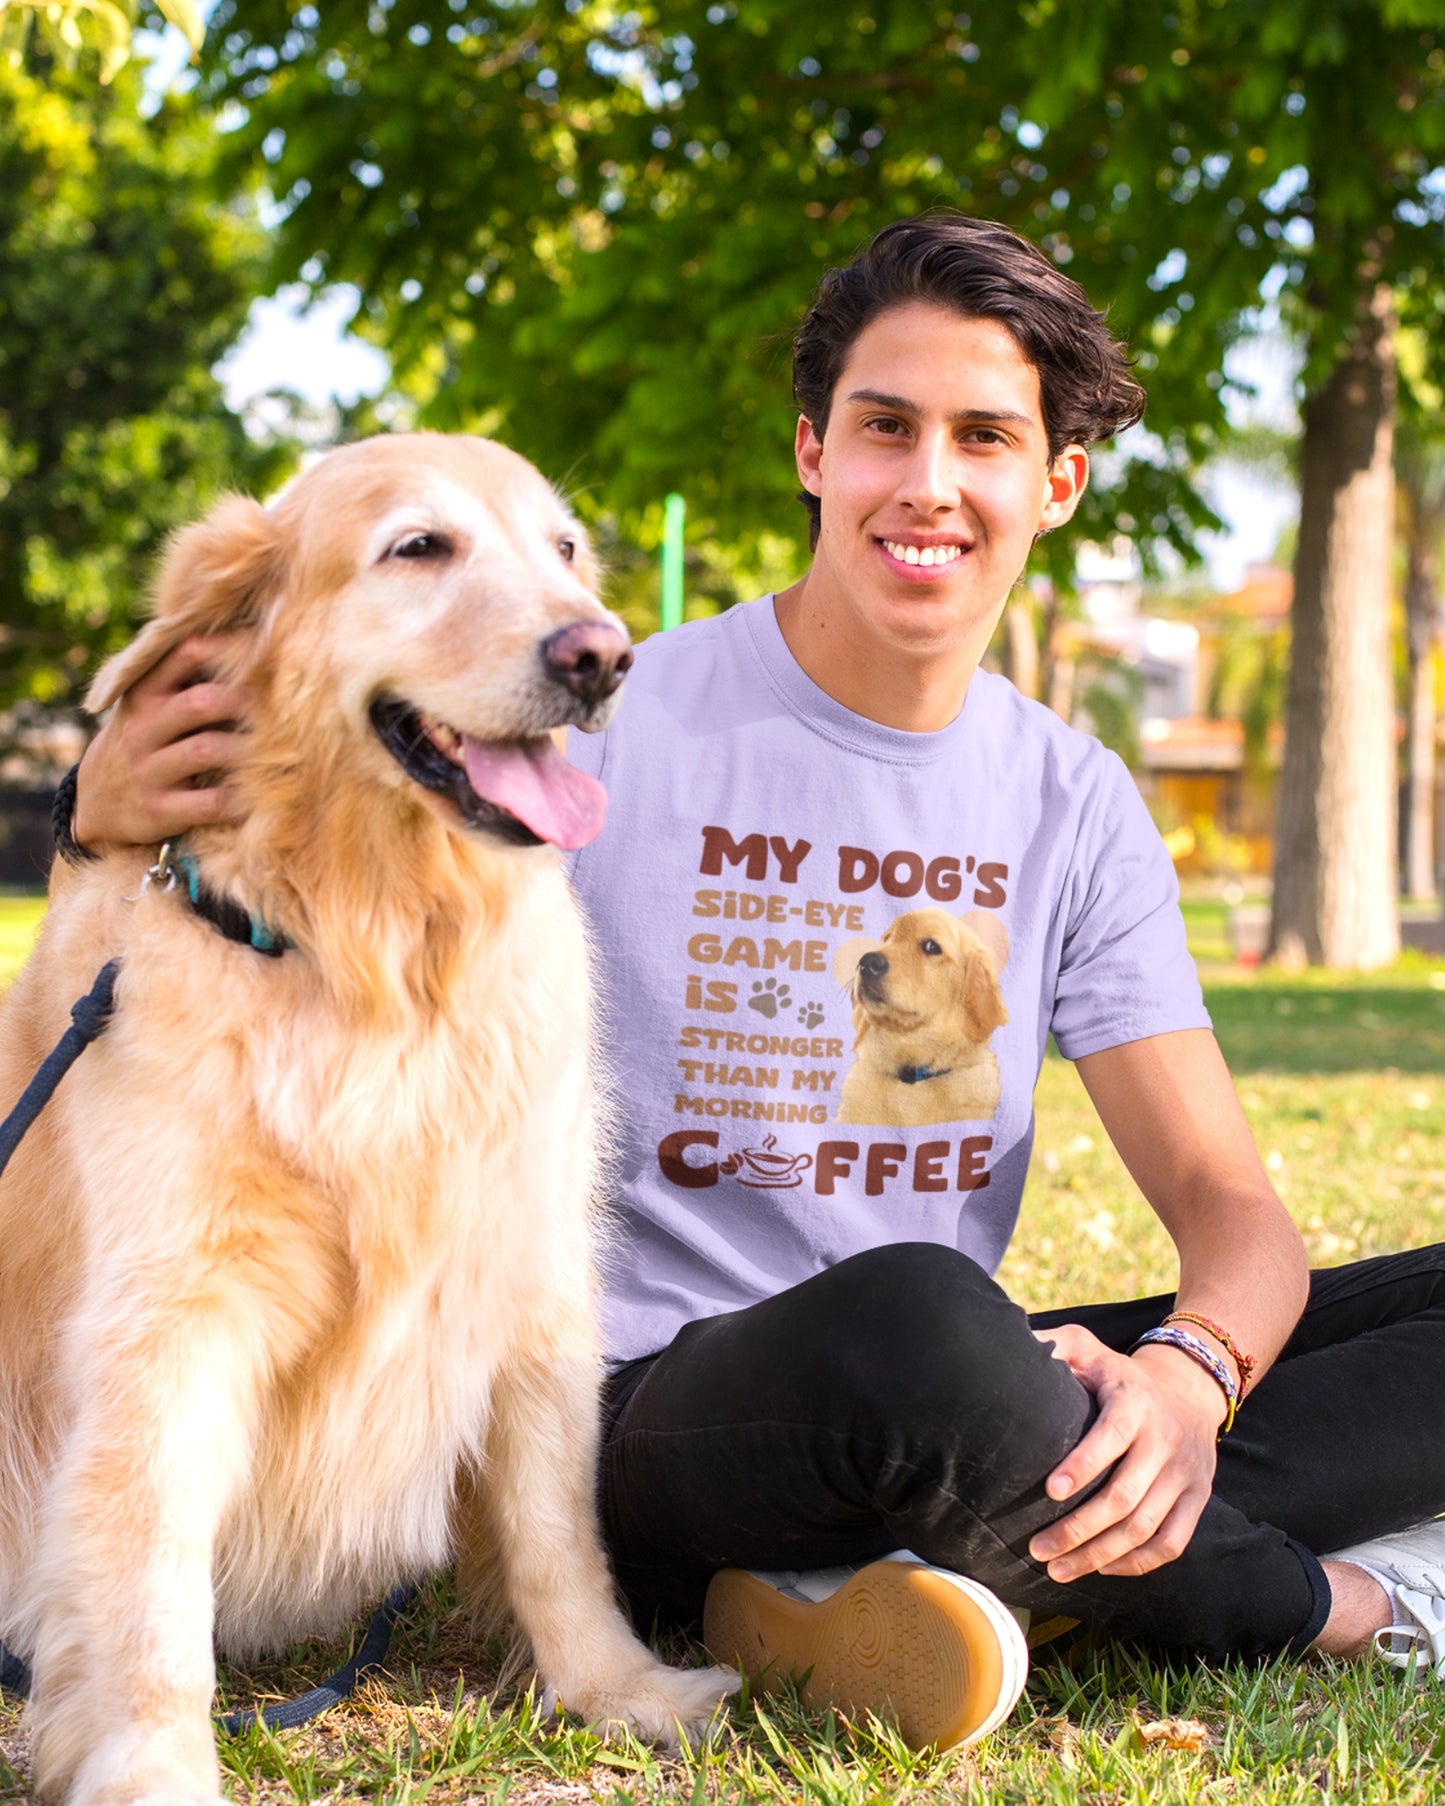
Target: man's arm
137, 781
1170, 1109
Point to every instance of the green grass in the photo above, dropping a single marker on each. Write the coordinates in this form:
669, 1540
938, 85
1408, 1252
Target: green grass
20, 916
1205, 919
1110, 1730
1343, 1081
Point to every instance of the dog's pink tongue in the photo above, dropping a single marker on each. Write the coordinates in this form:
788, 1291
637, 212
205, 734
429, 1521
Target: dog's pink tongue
531, 780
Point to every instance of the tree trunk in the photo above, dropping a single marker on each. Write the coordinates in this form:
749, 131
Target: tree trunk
1335, 841
1422, 588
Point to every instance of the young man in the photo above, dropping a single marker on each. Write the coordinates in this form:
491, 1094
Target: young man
849, 885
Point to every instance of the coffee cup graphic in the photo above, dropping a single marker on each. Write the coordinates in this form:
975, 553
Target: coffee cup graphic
766, 1168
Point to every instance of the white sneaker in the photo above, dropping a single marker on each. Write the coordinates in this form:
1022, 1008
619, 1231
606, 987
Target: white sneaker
1410, 1566
937, 1653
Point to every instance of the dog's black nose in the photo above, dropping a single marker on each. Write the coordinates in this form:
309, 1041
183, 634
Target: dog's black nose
590, 657
873, 965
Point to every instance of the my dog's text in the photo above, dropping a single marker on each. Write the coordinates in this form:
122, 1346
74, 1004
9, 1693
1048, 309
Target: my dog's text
899, 873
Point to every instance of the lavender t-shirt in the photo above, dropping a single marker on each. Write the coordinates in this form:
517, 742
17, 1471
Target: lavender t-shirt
831, 954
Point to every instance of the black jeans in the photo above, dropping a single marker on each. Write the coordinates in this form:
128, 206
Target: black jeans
899, 1400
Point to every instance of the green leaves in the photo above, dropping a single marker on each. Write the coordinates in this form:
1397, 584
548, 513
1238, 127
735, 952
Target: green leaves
120, 285
594, 229
71, 28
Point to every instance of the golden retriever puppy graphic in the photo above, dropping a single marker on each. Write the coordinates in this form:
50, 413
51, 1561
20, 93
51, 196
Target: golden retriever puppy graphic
296, 1268
925, 1002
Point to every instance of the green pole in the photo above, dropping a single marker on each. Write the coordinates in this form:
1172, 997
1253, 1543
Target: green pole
674, 517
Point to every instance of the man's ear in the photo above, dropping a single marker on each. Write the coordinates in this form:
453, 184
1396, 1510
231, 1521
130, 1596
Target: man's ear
808, 452
214, 576
1067, 480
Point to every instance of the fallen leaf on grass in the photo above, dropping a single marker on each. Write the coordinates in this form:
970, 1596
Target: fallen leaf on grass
1174, 1733
1061, 1735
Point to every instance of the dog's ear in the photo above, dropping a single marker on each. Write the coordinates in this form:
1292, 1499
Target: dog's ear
846, 957
214, 576
987, 926
982, 997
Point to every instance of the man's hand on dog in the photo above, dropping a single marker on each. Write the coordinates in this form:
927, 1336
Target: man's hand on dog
158, 765
1158, 1419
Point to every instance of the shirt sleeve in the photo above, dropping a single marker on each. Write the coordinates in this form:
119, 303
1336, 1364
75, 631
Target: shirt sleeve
1125, 971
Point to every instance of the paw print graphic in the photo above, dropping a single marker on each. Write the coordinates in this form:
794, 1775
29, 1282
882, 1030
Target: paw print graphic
769, 997
810, 1014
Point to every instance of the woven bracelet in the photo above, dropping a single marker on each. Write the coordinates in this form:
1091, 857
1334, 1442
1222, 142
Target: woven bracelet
1205, 1357
1245, 1363
62, 816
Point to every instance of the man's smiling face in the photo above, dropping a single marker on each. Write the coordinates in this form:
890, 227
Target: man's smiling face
934, 478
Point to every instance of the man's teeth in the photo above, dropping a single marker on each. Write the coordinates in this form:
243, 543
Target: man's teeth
445, 739
923, 554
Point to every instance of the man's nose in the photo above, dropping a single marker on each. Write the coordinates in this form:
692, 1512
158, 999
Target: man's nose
929, 481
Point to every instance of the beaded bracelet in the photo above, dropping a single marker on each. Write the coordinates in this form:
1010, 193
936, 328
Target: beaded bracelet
1245, 1363
1206, 1358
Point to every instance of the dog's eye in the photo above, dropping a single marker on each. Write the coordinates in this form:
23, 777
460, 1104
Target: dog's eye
930, 946
422, 545
568, 549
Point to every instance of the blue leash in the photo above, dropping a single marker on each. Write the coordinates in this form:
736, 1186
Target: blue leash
286, 1714
89, 1019
14, 1675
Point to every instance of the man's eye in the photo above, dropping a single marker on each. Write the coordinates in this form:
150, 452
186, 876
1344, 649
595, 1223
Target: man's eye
422, 545
930, 946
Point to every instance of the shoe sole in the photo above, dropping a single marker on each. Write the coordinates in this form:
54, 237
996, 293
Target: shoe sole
935, 1652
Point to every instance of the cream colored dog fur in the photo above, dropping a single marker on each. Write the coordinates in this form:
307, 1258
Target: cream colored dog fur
295, 1270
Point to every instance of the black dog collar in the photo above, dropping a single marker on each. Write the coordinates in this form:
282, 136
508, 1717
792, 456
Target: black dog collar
236, 923
915, 1075
222, 912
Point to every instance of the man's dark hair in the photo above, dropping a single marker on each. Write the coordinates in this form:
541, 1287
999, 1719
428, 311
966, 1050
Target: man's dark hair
980, 270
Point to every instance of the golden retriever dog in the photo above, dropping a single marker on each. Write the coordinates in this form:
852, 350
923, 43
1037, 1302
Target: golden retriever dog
295, 1269
925, 1002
